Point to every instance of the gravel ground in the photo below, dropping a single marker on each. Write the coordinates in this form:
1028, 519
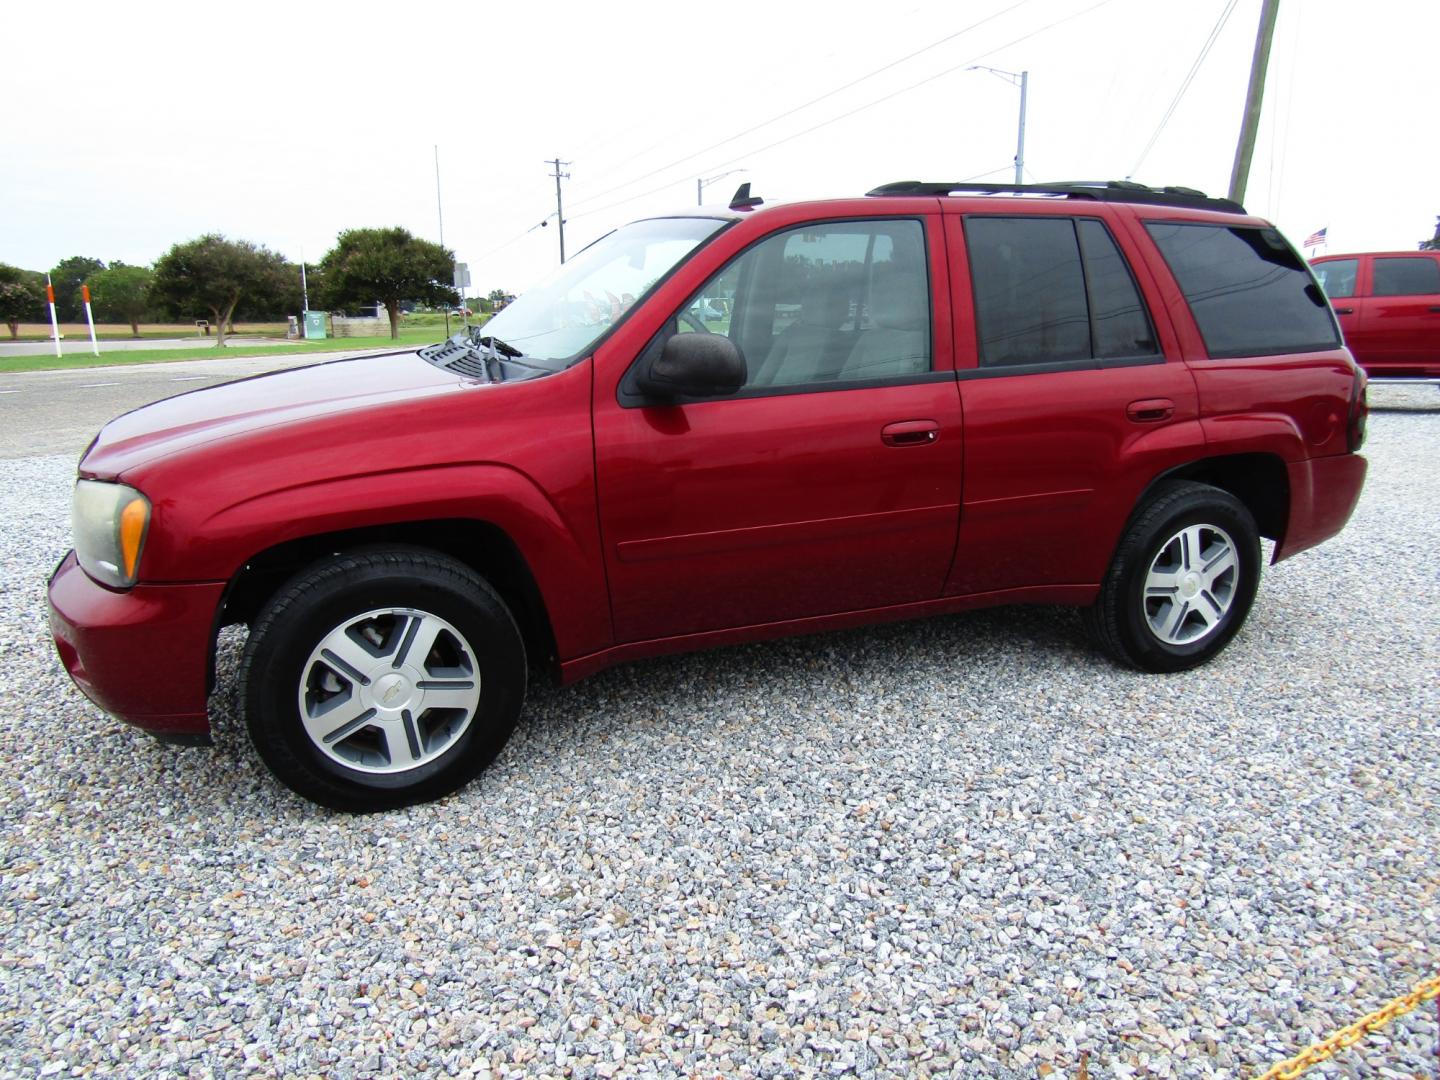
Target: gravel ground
964, 846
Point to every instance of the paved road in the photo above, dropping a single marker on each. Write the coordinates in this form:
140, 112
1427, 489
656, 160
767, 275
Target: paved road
58, 412
72, 345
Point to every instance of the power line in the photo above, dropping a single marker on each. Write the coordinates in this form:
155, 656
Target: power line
1184, 85
859, 108
805, 105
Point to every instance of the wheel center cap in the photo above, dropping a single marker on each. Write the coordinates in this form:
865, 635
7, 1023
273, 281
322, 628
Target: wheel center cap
392, 691
1190, 587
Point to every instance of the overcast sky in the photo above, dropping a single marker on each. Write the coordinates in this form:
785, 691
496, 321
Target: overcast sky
134, 126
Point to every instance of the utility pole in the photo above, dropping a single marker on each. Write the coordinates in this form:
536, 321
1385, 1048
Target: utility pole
1240, 175
559, 205
1022, 80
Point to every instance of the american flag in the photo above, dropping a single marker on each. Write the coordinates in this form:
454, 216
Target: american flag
1316, 238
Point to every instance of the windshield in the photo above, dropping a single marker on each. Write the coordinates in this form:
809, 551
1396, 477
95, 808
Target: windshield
565, 314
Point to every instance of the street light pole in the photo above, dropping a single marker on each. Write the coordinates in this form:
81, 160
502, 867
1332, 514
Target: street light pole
701, 185
439, 210
1020, 145
440, 215
1022, 80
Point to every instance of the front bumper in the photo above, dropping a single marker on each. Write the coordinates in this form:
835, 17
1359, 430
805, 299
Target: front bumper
143, 655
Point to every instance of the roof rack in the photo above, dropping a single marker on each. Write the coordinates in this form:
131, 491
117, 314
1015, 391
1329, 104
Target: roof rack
1125, 191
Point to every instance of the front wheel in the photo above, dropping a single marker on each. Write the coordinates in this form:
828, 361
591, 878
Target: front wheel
382, 678
1182, 581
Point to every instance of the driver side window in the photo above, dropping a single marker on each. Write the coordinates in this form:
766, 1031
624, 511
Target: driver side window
709, 312
834, 303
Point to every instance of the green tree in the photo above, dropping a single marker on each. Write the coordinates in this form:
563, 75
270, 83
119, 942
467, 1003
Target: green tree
67, 276
22, 297
122, 294
276, 298
20, 301
212, 275
388, 265
1433, 244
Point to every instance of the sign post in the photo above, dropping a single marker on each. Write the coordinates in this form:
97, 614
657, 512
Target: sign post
462, 282
54, 322
90, 319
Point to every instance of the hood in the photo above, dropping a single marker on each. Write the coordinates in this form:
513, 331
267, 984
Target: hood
262, 401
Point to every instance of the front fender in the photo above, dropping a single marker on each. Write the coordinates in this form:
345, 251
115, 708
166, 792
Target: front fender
562, 553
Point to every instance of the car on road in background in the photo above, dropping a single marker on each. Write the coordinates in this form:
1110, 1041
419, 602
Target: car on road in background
934, 398
1388, 303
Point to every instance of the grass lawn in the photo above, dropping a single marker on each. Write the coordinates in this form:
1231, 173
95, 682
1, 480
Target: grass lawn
71, 333
78, 353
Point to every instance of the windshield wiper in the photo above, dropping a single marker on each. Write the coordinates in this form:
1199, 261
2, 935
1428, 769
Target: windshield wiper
493, 345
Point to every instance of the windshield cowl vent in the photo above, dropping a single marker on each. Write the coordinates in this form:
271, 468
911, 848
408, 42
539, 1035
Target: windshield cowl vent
456, 358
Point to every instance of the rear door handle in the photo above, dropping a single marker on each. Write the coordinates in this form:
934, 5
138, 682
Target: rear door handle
1150, 410
1435, 307
910, 433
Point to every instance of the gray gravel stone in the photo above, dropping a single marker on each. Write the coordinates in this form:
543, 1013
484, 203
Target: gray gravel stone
955, 847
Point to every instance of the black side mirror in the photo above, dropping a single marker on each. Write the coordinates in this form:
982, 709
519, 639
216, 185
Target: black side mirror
694, 365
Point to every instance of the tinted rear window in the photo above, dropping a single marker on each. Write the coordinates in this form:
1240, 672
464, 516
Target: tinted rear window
1053, 291
1250, 293
1414, 276
1121, 326
1029, 290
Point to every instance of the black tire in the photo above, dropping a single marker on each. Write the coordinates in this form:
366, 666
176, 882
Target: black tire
1152, 632
371, 597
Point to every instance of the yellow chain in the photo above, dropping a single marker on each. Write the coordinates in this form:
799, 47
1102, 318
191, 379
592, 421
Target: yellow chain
1349, 1036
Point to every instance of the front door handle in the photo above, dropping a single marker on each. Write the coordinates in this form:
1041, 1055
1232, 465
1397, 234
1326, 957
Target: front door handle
1351, 310
1150, 410
910, 433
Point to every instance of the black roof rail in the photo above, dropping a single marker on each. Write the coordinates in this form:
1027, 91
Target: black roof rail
1125, 191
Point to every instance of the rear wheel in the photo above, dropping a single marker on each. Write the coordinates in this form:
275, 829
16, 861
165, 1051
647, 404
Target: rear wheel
382, 678
1182, 581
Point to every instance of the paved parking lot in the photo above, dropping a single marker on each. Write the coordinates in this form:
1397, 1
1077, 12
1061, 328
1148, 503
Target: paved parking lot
966, 846
57, 412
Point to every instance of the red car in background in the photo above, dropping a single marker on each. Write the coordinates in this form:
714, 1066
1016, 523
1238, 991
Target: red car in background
1388, 303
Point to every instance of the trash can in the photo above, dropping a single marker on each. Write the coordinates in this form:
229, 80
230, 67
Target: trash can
315, 325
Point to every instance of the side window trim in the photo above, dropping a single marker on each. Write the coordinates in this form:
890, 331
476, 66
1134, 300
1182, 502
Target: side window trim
1088, 288
1051, 367
627, 392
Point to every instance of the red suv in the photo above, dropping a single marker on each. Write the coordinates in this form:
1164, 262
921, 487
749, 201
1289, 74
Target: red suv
1389, 308
715, 427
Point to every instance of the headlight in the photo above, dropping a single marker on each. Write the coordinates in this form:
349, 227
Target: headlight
109, 522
